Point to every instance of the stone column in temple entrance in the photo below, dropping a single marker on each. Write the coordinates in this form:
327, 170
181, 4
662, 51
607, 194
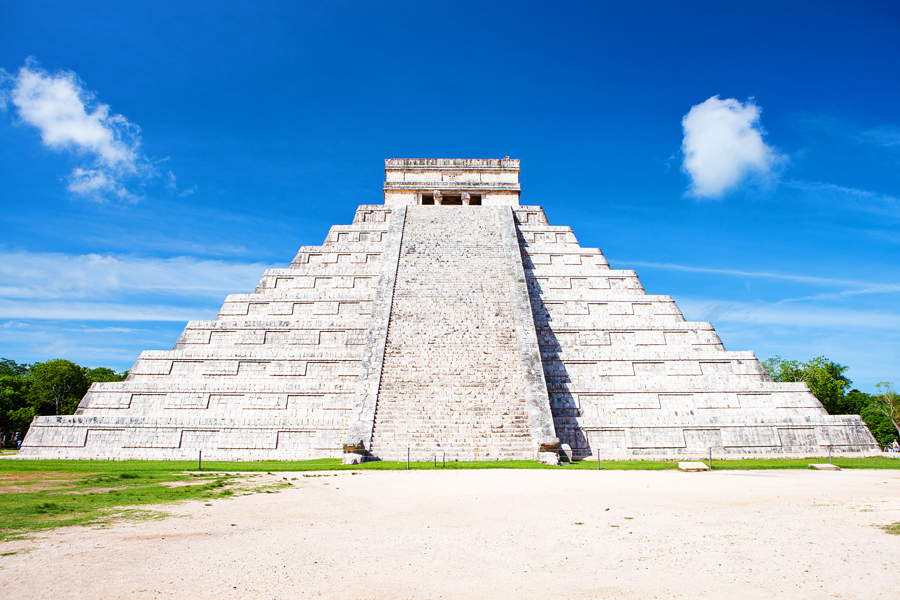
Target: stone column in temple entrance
438, 197
466, 198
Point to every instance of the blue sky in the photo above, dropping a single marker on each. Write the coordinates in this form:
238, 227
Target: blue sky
156, 157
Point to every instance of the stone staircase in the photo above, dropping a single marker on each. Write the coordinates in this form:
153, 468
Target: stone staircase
452, 376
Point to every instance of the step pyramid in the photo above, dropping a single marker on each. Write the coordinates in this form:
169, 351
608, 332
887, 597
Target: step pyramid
451, 322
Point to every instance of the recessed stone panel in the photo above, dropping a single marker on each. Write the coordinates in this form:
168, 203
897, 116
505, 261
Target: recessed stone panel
146, 366
607, 442
220, 367
234, 308
108, 400
285, 368
200, 439
57, 437
195, 336
750, 437
154, 437
655, 437
700, 440
186, 400
281, 308
799, 438
107, 438
246, 439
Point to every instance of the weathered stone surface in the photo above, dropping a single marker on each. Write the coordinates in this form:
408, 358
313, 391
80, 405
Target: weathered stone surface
469, 327
353, 458
452, 380
628, 376
692, 467
492, 182
273, 377
548, 458
358, 439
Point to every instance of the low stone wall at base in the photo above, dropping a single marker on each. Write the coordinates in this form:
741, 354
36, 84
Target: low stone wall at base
150, 438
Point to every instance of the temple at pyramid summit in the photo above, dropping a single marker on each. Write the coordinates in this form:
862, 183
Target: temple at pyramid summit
450, 320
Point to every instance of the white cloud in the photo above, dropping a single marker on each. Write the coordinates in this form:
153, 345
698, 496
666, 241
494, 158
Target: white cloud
723, 146
70, 119
38, 276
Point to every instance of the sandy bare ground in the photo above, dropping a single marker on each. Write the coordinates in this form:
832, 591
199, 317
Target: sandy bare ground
494, 534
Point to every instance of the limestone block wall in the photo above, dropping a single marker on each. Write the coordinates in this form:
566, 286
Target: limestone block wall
627, 375
479, 331
273, 376
452, 380
496, 180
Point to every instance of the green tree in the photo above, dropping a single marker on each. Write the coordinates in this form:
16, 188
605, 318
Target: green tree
9, 367
57, 387
52, 387
856, 401
824, 377
828, 383
15, 413
103, 374
888, 402
862, 404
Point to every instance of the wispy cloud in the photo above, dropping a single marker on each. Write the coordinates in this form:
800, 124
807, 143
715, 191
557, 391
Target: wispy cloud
787, 314
859, 287
756, 274
103, 329
847, 197
70, 119
101, 311
888, 136
115, 347
723, 146
29, 277
875, 289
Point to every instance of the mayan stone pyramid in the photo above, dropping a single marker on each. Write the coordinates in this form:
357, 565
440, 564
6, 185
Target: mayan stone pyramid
448, 320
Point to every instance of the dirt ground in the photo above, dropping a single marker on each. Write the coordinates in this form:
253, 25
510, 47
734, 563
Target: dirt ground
499, 534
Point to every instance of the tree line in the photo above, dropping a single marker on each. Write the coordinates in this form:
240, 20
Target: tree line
827, 382
54, 387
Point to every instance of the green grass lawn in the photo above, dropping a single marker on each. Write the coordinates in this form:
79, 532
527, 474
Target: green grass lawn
37, 495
